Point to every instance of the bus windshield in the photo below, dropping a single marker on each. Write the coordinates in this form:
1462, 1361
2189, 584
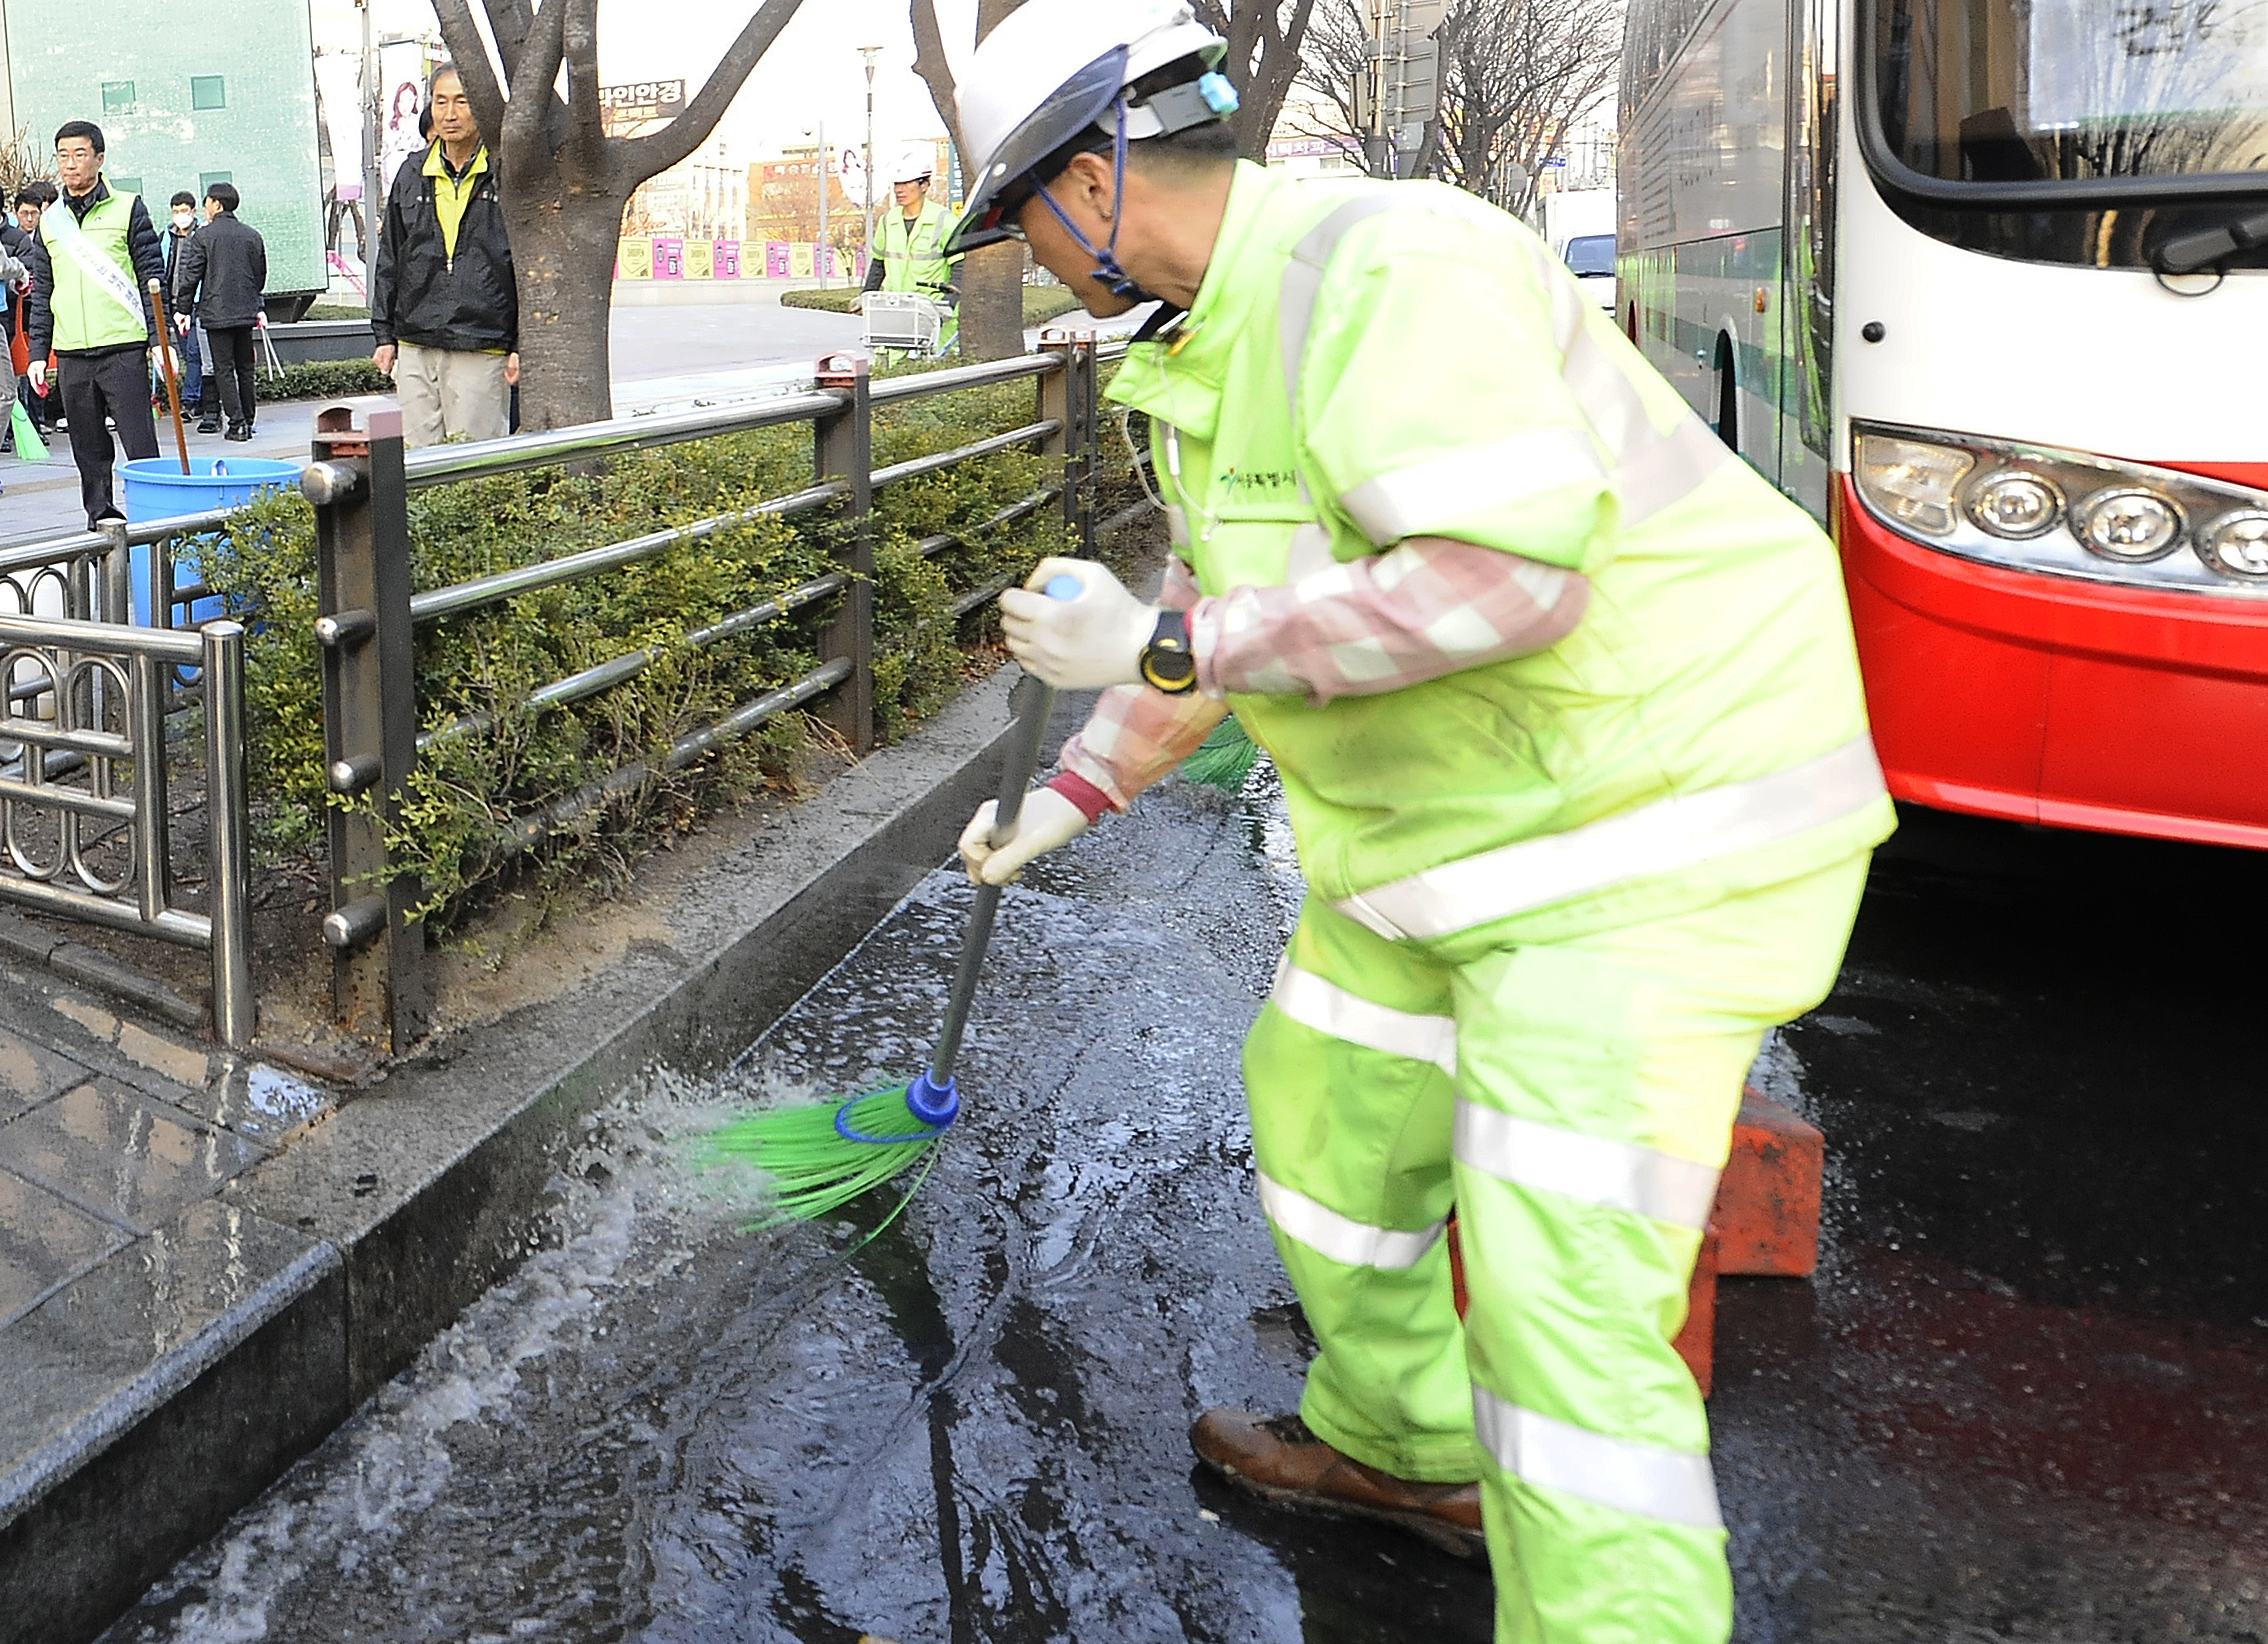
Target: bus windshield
1591, 254
2063, 90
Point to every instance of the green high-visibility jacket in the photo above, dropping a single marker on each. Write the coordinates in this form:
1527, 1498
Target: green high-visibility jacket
1370, 362
912, 253
85, 316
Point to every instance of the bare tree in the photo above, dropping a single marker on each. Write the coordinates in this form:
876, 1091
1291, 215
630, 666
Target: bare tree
992, 277
1514, 80
1264, 40
565, 181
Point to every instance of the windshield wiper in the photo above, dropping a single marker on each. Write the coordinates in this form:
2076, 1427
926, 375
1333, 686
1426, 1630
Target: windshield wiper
2205, 248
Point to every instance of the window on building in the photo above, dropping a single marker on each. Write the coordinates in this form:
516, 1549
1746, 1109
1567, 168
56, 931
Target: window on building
206, 179
118, 97
208, 91
125, 185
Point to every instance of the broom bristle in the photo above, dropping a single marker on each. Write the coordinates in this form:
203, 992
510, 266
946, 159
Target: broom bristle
814, 1167
1224, 759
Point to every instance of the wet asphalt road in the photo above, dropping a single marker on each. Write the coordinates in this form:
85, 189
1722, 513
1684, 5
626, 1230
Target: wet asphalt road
2026, 1397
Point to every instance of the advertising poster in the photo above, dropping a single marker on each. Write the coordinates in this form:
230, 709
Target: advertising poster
669, 256
636, 261
776, 260
728, 260
700, 260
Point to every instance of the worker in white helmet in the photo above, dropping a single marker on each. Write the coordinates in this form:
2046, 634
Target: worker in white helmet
908, 244
1567, 711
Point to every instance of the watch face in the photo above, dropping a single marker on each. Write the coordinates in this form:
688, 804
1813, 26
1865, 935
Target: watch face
1168, 669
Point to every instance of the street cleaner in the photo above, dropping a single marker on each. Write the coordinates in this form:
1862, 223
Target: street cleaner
909, 243
1567, 712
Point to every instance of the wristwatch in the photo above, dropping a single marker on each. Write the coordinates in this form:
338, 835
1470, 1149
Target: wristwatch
1167, 662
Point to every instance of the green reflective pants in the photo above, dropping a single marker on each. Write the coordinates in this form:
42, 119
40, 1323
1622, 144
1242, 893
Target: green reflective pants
1574, 1102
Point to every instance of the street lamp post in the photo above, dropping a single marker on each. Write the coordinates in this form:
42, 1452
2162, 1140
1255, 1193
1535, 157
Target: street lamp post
826, 178
869, 53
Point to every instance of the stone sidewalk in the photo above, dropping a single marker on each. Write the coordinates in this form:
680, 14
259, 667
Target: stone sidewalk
121, 1272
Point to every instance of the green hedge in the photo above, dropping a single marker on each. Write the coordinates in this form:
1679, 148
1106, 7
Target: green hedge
325, 379
1042, 303
467, 789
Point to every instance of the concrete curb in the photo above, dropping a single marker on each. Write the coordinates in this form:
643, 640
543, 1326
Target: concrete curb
386, 1220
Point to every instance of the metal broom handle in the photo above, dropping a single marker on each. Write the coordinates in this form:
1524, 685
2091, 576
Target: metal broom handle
1036, 706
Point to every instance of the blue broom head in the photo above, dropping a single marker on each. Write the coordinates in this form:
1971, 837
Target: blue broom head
1224, 759
822, 1155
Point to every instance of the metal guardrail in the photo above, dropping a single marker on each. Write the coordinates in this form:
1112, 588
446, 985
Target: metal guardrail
84, 801
83, 762
360, 481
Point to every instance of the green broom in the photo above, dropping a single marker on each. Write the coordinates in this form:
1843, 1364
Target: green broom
1224, 759
822, 1155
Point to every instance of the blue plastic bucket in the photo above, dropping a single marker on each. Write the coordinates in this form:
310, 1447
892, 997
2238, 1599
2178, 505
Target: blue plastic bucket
156, 488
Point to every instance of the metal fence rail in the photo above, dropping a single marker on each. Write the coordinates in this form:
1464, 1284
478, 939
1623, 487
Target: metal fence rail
360, 481
84, 751
83, 772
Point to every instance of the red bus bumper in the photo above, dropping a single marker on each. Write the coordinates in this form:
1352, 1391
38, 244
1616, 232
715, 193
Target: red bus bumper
2043, 699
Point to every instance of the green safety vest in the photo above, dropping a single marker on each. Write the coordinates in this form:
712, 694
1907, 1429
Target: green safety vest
1367, 362
912, 254
86, 316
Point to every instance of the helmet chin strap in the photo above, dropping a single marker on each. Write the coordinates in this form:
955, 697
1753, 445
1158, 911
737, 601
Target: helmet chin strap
1114, 278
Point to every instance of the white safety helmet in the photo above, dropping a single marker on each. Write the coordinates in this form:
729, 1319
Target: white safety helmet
1054, 68
916, 163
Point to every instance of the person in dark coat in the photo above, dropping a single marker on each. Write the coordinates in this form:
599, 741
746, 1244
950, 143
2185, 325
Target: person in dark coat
443, 306
223, 276
195, 395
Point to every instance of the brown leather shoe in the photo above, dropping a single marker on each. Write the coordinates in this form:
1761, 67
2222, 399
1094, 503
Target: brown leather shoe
1278, 1458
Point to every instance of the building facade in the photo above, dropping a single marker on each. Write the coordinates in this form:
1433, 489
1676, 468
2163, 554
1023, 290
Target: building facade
219, 92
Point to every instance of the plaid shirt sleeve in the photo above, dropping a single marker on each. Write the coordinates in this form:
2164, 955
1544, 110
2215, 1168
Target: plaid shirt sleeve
1425, 608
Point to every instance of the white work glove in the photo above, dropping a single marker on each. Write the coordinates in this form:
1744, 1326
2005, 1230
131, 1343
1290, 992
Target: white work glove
37, 371
1078, 644
1046, 821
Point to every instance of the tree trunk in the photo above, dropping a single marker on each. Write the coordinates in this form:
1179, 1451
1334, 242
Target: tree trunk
564, 259
992, 277
992, 302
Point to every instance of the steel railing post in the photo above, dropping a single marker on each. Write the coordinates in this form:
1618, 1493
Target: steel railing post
115, 578
1085, 443
145, 728
228, 830
843, 449
1067, 397
369, 714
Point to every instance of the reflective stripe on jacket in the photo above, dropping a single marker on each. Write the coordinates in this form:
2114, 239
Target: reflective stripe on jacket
1701, 732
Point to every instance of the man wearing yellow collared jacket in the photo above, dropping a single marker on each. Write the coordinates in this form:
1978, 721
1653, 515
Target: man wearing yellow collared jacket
1568, 717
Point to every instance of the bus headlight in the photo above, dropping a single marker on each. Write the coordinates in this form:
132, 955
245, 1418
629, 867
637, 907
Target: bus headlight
2237, 544
2054, 512
2014, 504
2129, 524
1913, 482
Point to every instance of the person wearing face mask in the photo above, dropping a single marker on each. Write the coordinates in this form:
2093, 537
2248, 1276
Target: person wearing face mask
193, 396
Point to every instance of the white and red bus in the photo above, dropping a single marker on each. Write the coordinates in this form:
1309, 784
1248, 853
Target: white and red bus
1984, 284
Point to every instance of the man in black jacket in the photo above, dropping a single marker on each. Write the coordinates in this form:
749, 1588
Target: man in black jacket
442, 303
92, 265
223, 275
